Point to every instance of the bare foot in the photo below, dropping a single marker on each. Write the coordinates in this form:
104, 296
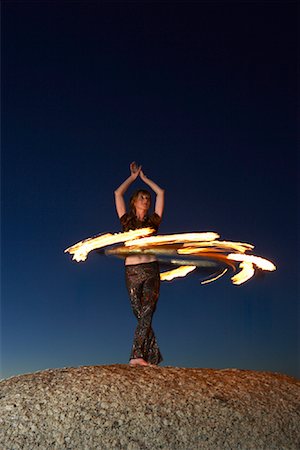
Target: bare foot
138, 362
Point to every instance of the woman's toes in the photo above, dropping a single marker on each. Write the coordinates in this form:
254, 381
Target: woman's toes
138, 362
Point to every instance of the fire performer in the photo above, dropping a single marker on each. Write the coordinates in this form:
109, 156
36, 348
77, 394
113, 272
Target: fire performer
141, 271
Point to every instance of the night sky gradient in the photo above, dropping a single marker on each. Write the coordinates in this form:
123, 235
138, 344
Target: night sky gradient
203, 95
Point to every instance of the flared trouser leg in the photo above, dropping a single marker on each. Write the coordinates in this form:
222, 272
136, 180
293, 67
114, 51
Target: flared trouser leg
143, 284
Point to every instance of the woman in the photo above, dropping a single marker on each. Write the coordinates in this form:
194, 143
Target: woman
142, 271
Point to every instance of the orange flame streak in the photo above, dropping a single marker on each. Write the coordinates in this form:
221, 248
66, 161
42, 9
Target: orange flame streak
82, 248
215, 278
173, 238
262, 263
181, 271
202, 245
245, 274
215, 256
221, 245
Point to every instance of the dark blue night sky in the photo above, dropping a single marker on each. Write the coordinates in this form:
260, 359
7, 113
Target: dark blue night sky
203, 95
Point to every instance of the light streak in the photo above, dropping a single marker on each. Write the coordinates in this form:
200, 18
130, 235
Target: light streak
181, 271
245, 274
173, 238
83, 248
188, 251
217, 246
210, 280
262, 263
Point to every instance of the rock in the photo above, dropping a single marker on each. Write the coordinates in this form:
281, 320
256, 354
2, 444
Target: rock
136, 408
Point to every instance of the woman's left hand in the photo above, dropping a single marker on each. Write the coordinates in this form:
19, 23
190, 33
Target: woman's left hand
143, 176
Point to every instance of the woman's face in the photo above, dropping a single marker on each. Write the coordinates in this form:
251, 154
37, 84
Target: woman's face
142, 201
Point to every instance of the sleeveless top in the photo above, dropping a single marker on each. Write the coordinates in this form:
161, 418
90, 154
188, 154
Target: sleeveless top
131, 222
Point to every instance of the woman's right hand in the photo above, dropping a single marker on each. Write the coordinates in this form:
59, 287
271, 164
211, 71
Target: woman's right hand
135, 170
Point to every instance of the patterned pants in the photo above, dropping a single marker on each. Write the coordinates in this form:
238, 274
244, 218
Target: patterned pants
143, 283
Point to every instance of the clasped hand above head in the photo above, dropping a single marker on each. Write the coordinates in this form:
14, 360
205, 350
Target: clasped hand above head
134, 168
137, 171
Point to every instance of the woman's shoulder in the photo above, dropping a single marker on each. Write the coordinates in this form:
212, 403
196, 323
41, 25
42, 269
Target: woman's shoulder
124, 218
155, 218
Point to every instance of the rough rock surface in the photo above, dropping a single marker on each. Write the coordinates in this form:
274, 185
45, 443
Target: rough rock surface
134, 408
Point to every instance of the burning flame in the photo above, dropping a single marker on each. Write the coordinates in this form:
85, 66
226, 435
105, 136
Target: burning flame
262, 263
245, 274
216, 246
181, 271
204, 248
83, 248
247, 265
173, 238
210, 280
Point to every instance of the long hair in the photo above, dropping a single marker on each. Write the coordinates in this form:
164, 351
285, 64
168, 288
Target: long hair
133, 199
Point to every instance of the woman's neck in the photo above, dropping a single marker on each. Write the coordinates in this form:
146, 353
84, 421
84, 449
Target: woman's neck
141, 214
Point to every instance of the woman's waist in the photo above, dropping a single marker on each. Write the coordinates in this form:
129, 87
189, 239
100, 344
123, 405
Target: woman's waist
139, 259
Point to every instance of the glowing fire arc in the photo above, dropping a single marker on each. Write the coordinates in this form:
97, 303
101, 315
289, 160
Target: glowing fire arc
187, 251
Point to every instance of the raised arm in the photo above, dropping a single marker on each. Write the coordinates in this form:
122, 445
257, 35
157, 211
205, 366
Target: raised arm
160, 193
120, 191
